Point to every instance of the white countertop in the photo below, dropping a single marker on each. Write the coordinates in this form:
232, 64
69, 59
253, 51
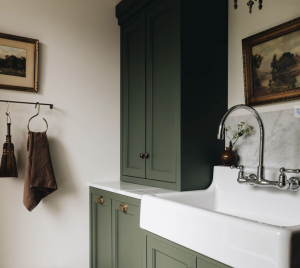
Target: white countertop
128, 189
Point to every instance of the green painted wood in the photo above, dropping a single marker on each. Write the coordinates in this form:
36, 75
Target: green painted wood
204, 264
163, 91
204, 81
153, 183
117, 241
118, 197
133, 98
198, 69
161, 255
126, 9
126, 237
202, 261
100, 232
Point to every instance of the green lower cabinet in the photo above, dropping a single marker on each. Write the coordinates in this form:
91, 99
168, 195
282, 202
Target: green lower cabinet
204, 264
126, 236
117, 241
100, 225
115, 235
161, 255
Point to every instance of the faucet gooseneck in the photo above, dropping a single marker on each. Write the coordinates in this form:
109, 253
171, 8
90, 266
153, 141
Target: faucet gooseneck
221, 135
283, 183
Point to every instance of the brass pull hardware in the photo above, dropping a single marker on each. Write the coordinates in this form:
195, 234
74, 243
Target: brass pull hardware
123, 207
100, 200
144, 156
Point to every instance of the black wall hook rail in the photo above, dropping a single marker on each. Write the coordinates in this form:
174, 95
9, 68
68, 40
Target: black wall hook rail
34, 103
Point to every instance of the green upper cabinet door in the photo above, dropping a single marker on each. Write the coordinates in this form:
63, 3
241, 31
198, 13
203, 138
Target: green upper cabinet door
160, 255
100, 229
133, 98
174, 91
126, 237
163, 91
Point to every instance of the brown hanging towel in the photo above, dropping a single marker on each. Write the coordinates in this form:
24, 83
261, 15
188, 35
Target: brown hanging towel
8, 166
39, 175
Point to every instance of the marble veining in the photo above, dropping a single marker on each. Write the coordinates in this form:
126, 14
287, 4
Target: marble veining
282, 140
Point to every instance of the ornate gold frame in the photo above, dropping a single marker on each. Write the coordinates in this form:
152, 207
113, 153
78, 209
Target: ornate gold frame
248, 43
36, 62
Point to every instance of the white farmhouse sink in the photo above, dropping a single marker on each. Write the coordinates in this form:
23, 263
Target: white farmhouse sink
239, 225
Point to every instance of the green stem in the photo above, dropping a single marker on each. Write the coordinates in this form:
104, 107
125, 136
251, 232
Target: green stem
228, 138
236, 140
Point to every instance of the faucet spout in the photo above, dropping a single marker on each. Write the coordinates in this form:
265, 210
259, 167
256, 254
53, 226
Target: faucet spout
221, 135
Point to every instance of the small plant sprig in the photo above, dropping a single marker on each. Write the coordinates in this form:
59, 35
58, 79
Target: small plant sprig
242, 129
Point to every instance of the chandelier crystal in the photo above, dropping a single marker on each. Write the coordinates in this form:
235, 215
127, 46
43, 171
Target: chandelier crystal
250, 4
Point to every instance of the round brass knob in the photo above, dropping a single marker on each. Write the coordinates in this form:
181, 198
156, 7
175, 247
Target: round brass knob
142, 156
100, 200
123, 207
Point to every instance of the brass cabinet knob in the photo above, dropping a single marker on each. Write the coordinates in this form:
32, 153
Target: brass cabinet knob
146, 156
123, 207
100, 200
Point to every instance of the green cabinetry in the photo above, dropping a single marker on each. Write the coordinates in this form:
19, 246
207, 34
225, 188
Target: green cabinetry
100, 228
126, 236
117, 241
133, 99
115, 235
173, 91
161, 253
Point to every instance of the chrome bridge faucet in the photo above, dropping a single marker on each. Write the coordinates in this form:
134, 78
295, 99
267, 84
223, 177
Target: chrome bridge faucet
283, 183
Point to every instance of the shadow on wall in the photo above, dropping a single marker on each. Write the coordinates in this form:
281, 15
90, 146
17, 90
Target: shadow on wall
62, 171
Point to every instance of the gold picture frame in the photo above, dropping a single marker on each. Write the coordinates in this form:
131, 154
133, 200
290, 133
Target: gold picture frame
19, 59
271, 61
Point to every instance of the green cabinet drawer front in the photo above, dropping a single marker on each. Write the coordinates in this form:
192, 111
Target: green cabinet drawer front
133, 98
127, 237
160, 255
213, 264
163, 91
101, 256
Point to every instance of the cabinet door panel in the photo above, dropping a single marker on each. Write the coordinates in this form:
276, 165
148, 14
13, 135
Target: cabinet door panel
204, 264
101, 255
127, 237
133, 98
160, 255
163, 91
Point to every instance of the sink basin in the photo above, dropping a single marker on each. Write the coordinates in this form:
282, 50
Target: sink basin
239, 225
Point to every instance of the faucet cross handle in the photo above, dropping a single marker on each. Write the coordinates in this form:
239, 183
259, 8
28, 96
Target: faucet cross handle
241, 172
241, 167
284, 170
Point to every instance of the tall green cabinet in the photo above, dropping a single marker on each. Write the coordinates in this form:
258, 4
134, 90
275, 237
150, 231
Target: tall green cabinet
173, 91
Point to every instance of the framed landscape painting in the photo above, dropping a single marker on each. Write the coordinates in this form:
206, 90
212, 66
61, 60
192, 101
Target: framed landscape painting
18, 63
272, 65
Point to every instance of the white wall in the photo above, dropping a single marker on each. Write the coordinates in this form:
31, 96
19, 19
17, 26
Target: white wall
79, 73
242, 25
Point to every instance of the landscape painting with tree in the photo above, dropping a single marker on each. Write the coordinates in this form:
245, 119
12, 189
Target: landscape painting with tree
12, 61
272, 64
19, 61
276, 64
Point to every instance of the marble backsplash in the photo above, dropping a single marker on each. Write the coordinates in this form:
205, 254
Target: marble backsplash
282, 140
